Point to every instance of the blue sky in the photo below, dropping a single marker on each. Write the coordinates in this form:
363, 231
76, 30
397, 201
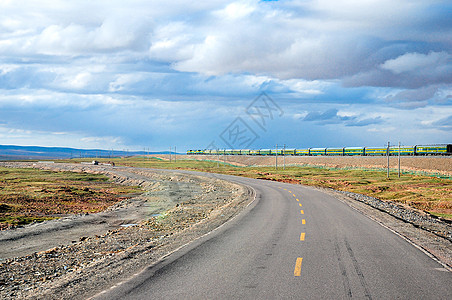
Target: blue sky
248, 74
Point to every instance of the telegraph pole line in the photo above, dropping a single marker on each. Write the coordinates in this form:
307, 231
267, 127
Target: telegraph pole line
169, 153
387, 154
399, 159
218, 158
276, 160
284, 157
175, 154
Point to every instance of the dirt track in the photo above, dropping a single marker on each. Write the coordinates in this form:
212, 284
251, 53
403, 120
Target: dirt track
432, 164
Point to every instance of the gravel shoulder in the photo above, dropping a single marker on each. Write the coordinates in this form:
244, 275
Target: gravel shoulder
429, 234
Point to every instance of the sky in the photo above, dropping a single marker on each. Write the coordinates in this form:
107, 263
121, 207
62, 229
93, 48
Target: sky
151, 75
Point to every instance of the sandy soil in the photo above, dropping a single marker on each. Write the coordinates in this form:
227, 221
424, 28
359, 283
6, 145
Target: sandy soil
432, 164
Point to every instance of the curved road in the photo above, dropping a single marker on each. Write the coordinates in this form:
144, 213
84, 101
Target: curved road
293, 242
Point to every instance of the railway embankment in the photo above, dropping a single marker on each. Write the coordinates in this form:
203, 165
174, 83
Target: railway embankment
428, 164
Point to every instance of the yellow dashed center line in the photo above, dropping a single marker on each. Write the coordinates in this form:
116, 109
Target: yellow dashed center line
299, 204
302, 236
297, 271
302, 212
303, 221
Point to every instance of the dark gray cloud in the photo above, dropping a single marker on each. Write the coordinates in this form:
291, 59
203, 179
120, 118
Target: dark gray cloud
444, 124
365, 122
415, 98
331, 116
322, 116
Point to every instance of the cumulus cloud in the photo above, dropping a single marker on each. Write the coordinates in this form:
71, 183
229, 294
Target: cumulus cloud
410, 62
347, 39
410, 70
313, 40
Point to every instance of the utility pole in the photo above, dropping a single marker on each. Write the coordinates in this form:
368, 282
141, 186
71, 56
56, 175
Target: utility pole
175, 154
284, 156
399, 159
387, 154
169, 153
276, 160
218, 158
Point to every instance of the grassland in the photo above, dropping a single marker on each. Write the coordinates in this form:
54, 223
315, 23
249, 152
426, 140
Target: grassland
430, 194
31, 195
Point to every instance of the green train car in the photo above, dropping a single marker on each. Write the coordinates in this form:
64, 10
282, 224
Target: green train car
279, 151
254, 152
433, 149
265, 152
302, 151
334, 151
350, 151
289, 152
317, 151
372, 151
404, 150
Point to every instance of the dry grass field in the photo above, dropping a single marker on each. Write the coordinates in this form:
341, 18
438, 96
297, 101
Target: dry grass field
31, 195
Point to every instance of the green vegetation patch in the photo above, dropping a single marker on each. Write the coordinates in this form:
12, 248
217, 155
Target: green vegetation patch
32, 195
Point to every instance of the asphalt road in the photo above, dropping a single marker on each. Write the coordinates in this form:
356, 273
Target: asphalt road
293, 242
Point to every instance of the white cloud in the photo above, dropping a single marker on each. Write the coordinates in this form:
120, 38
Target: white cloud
173, 41
236, 10
122, 81
314, 87
410, 62
79, 81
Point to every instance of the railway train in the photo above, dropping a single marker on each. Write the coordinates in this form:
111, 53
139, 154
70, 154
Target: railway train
440, 149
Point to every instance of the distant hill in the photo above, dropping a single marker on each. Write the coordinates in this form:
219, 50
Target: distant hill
11, 152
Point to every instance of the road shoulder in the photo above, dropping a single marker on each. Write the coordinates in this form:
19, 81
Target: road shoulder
433, 239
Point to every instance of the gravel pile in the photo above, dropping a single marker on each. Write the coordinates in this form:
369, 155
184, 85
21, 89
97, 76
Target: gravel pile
419, 219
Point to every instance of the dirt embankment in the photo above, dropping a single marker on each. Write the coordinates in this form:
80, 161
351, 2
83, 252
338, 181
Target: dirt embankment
77, 256
432, 164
